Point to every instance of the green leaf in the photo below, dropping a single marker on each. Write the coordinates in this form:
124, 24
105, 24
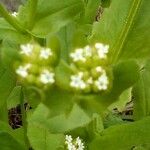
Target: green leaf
51, 15
7, 83
40, 138
66, 122
14, 98
59, 101
38, 131
7, 142
7, 32
61, 123
123, 137
125, 27
126, 74
16, 134
141, 94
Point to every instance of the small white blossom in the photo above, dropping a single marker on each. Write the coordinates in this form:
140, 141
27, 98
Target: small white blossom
79, 144
102, 82
77, 82
47, 77
78, 55
99, 69
68, 138
88, 51
23, 70
26, 49
102, 50
90, 80
45, 53
74, 144
14, 14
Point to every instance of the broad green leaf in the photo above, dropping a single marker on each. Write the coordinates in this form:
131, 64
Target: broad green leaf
123, 137
14, 98
7, 142
66, 122
60, 123
126, 74
51, 15
7, 32
141, 94
73, 35
7, 83
38, 131
41, 138
125, 27
59, 101
16, 134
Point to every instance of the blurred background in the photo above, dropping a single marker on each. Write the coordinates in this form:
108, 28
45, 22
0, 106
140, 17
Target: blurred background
12, 5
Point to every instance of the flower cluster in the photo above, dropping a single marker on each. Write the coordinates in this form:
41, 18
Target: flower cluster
90, 65
74, 144
36, 65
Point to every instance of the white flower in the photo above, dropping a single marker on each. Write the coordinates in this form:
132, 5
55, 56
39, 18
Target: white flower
45, 53
78, 55
68, 138
26, 49
102, 50
102, 82
88, 51
90, 80
14, 14
74, 144
99, 69
79, 144
23, 70
77, 82
47, 77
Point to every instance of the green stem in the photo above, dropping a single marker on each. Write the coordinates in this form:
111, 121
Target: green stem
32, 12
24, 119
11, 20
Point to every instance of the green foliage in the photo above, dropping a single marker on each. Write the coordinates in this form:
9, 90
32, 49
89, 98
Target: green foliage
141, 94
55, 111
125, 27
123, 136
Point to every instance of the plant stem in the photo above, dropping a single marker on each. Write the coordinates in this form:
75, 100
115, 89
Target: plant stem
11, 20
24, 119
